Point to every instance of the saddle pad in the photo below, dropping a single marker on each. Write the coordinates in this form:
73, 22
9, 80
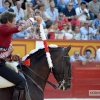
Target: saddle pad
5, 83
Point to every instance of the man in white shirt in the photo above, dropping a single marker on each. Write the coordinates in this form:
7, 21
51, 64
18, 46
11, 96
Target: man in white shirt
76, 57
82, 12
87, 32
52, 12
18, 10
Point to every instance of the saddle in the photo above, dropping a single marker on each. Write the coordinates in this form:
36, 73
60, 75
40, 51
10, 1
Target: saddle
5, 83
13, 65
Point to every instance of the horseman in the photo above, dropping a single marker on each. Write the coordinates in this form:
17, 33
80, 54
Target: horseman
7, 28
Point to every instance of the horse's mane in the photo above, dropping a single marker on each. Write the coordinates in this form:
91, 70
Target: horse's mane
41, 52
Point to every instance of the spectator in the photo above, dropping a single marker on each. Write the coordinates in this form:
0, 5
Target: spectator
34, 32
47, 3
67, 32
94, 8
70, 13
34, 3
40, 8
18, 11
77, 3
49, 32
60, 35
61, 20
97, 34
82, 12
55, 27
98, 55
96, 22
88, 56
5, 7
76, 56
61, 4
43, 13
77, 34
55, 1
52, 12
37, 13
11, 3
24, 4
14, 2
86, 31
28, 12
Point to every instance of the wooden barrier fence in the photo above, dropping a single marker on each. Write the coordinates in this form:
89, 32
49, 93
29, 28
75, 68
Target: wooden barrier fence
85, 83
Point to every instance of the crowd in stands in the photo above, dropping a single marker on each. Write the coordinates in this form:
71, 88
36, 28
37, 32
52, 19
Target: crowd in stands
87, 57
62, 19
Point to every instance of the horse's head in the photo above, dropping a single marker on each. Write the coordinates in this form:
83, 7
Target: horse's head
62, 68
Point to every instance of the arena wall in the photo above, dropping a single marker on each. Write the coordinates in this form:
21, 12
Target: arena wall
24, 46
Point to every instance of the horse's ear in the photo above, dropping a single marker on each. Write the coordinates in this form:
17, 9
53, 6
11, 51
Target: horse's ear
67, 49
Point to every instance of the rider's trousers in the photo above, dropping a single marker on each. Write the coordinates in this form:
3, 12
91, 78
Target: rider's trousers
12, 76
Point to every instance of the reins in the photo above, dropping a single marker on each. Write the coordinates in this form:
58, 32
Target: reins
53, 85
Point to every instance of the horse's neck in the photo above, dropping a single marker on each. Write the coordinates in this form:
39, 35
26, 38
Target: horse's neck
42, 72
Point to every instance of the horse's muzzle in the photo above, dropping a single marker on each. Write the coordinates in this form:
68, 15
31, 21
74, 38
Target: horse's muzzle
63, 85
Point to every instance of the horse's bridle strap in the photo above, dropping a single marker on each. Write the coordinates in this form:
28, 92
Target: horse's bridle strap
43, 78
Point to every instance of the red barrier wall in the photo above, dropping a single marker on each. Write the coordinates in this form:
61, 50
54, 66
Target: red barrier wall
85, 83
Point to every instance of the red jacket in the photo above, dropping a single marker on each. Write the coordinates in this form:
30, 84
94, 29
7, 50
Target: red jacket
60, 23
5, 39
51, 35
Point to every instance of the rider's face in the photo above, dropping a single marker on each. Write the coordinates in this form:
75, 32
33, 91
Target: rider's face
12, 23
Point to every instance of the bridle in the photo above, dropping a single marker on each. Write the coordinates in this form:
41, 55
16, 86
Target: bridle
56, 87
64, 71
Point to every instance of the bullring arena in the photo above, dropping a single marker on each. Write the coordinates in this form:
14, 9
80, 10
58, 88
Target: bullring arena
85, 78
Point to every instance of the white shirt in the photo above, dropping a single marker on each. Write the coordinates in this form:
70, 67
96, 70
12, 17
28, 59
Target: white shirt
53, 15
79, 11
98, 55
72, 58
77, 36
67, 34
85, 34
18, 15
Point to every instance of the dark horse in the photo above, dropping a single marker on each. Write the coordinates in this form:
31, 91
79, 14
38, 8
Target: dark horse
38, 64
